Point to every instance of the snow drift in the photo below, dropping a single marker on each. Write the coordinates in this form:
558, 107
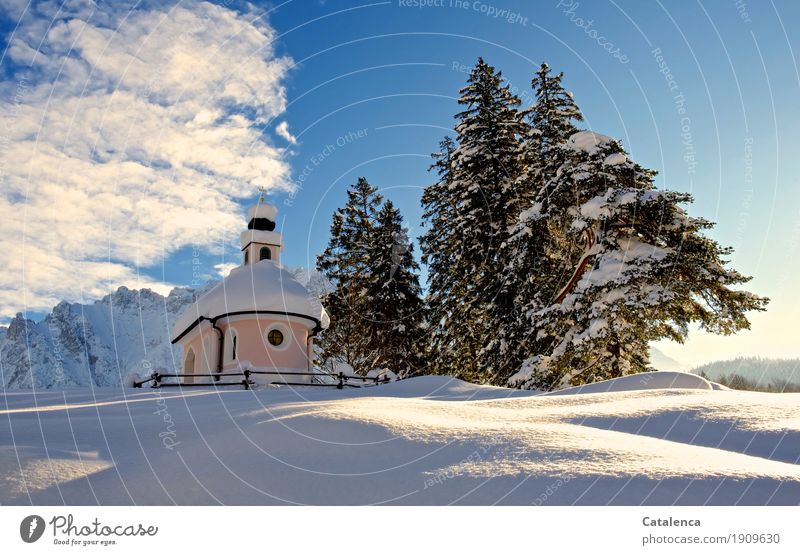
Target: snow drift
431, 440
637, 382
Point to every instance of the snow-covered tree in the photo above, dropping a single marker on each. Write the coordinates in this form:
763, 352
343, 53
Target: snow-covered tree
373, 295
552, 258
638, 269
468, 212
347, 264
528, 257
551, 120
440, 246
394, 297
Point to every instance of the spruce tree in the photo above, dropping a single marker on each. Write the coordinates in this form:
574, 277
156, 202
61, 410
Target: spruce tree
532, 253
440, 245
478, 196
551, 121
373, 297
552, 257
347, 264
638, 269
394, 297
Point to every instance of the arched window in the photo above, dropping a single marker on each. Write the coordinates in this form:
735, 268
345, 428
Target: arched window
188, 365
246, 257
208, 355
264, 254
231, 344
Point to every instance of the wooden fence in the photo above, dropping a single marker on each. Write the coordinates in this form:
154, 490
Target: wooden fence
340, 380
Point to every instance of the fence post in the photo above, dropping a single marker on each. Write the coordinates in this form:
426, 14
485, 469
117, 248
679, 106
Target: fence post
340, 385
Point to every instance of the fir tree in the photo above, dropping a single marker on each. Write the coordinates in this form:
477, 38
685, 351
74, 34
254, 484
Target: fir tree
532, 254
374, 296
551, 254
638, 267
440, 245
347, 264
551, 122
469, 212
394, 297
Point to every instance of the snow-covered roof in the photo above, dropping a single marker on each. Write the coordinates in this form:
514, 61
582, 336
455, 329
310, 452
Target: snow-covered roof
262, 210
262, 287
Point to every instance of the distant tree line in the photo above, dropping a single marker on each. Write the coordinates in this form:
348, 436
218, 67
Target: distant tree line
754, 374
552, 258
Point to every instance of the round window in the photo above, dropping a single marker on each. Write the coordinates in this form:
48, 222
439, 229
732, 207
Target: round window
275, 337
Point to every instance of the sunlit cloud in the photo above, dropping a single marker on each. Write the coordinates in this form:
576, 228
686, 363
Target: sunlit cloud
283, 130
125, 135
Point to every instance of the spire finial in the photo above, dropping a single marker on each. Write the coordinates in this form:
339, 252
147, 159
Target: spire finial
262, 191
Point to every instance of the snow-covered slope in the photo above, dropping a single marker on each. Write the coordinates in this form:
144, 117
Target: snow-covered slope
639, 382
93, 344
429, 440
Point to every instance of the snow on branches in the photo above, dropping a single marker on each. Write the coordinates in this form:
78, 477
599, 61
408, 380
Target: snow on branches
553, 259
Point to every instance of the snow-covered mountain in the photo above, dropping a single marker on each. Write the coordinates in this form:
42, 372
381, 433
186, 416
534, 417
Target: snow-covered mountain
97, 344
93, 344
660, 361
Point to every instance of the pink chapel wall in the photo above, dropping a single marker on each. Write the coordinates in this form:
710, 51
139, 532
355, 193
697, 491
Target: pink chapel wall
204, 349
251, 345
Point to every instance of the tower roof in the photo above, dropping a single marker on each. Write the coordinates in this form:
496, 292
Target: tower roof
261, 225
262, 210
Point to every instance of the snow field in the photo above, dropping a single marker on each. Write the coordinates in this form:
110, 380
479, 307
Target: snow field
431, 440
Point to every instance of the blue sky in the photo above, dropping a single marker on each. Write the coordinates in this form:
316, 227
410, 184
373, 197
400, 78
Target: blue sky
370, 88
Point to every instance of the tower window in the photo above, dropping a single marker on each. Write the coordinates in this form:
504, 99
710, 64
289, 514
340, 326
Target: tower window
275, 337
264, 254
246, 257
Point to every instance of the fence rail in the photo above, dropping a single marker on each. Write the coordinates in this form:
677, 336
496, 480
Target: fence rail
341, 380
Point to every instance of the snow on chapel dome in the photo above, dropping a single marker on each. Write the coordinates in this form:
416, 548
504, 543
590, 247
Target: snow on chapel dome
262, 210
262, 288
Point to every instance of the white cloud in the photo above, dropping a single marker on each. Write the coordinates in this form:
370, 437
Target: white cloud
224, 268
125, 136
283, 130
